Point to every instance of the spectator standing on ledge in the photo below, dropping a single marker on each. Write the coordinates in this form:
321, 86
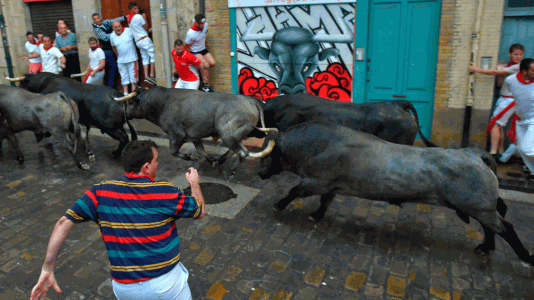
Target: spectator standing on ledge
139, 27
51, 57
32, 45
68, 45
103, 30
97, 63
124, 47
186, 67
196, 42
133, 212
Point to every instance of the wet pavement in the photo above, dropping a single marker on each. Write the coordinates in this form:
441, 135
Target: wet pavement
243, 250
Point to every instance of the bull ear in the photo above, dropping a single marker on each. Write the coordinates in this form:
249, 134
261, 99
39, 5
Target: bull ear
262, 52
327, 53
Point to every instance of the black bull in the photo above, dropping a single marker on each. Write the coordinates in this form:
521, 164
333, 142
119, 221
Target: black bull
392, 121
332, 159
95, 102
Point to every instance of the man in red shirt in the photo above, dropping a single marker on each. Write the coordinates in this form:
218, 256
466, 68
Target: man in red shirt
187, 67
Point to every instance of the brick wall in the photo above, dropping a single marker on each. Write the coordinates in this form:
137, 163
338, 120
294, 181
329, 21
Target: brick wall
218, 43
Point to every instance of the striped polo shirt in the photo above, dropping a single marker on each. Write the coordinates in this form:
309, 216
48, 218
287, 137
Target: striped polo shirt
137, 217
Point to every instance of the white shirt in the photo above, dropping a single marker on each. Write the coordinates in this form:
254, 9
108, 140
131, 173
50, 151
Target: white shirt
523, 96
196, 39
136, 25
50, 59
95, 57
125, 46
33, 48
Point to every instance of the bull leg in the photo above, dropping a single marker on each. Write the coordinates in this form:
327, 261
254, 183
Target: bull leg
200, 149
511, 237
70, 144
89, 152
15, 144
234, 164
489, 241
326, 199
39, 136
121, 136
298, 191
225, 156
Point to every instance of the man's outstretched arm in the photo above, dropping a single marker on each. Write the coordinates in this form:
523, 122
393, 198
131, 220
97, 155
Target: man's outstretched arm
47, 278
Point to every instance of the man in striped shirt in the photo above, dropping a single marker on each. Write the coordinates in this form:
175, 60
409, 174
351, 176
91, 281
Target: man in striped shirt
136, 216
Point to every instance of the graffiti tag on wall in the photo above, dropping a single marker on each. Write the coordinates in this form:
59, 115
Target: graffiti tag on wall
296, 49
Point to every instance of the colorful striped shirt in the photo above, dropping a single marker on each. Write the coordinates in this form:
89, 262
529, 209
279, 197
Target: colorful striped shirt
137, 217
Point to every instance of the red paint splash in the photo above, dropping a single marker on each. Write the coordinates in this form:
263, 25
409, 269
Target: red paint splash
259, 88
335, 83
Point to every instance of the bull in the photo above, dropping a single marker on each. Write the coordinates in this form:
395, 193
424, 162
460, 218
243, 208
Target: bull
95, 102
332, 159
190, 115
392, 121
54, 114
294, 53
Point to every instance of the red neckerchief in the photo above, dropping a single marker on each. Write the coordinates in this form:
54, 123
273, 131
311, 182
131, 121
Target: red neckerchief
130, 16
46, 49
58, 31
132, 174
35, 42
195, 27
121, 31
96, 48
522, 80
510, 63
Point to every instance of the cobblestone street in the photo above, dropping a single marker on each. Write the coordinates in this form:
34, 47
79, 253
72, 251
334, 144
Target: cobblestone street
361, 249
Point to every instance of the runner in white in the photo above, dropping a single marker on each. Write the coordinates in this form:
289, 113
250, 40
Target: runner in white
123, 45
522, 88
32, 45
97, 63
51, 57
195, 40
139, 28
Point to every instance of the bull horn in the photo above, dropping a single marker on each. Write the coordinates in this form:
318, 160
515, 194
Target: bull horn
267, 129
16, 79
265, 152
247, 36
346, 37
129, 96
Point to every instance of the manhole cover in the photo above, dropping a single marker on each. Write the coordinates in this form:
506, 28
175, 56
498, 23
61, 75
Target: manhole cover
214, 193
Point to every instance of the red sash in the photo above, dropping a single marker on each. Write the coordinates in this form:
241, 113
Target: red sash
511, 132
497, 117
87, 76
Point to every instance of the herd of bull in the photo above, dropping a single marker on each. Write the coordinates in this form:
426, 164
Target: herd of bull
360, 150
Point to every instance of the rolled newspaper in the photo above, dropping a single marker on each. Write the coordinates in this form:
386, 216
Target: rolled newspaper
77, 75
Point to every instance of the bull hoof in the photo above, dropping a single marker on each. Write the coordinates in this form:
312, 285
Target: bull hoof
277, 209
314, 218
482, 250
116, 153
84, 166
20, 159
90, 156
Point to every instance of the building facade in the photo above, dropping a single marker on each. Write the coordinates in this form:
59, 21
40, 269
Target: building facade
345, 50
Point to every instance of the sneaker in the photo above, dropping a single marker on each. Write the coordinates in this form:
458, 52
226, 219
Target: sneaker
206, 88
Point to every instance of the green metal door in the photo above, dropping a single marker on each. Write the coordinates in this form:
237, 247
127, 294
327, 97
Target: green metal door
402, 54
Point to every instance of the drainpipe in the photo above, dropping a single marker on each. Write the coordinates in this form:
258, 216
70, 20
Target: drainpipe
475, 39
6, 49
166, 46
202, 7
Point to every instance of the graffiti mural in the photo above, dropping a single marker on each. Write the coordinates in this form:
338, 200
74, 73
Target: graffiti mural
296, 49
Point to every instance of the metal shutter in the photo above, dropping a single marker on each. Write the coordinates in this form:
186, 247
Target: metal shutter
44, 16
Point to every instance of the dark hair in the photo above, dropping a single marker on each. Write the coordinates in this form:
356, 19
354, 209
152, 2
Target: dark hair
178, 42
46, 36
525, 64
516, 46
93, 39
136, 154
28, 33
131, 5
199, 17
95, 14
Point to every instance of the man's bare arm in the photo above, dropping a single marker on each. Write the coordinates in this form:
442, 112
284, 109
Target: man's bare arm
33, 55
194, 181
474, 68
47, 278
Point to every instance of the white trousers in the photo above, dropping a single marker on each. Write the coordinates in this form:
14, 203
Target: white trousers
97, 79
525, 142
189, 85
170, 286
146, 47
128, 72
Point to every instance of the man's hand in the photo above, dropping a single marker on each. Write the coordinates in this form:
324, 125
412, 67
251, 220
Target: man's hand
63, 66
473, 67
92, 73
25, 58
192, 177
46, 280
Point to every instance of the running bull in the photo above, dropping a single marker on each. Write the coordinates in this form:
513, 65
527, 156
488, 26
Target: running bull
95, 102
190, 115
332, 159
392, 121
294, 53
55, 114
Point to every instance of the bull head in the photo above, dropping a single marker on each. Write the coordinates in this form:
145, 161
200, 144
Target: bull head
294, 53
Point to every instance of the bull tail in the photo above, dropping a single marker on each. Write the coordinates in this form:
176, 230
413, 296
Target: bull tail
132, 129
260, 110
408, 106
75, 123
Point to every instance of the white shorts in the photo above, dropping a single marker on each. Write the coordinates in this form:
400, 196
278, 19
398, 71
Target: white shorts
128, 72
189, 85
146, 47
170, 286
502, 103
97, 79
